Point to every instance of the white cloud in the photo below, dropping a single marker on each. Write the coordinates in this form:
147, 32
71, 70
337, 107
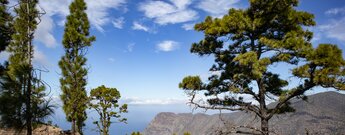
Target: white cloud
118, 22
98, 11
217, 8
138, 26
188, 26
40, 58
177, 17
56, 7
44, 32
98, 14
167, 46
164, 13
141, 101
335, 29
335, 11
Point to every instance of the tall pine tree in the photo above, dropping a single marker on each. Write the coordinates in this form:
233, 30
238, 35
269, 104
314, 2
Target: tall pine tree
22, 51
246, 44
76, 39
22, 94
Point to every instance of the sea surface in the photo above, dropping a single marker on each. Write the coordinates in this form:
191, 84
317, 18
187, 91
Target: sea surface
139, 116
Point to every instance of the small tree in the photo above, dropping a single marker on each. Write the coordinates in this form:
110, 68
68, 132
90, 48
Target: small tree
105, 101
246, 43
186, 133
136, 133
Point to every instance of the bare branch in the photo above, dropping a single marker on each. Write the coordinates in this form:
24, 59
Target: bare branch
295, 93
239, 107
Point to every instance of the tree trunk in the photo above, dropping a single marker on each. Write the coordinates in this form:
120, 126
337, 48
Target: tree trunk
264, 126
104, 125
28, 96
73, 128
105, 131
28, 107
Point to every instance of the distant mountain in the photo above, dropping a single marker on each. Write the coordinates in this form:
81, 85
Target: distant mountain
323, 113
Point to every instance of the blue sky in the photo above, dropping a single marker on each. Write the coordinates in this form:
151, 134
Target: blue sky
142, 46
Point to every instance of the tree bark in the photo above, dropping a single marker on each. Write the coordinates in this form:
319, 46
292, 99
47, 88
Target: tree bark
73, 127
105, 131
264, 126
28, 107
28, 96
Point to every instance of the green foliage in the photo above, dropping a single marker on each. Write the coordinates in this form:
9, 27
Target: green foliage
265, 34
22, 94
136, 133
105, 101
187, 133
6, 29
191, 83
25, 24
13, 98
76, 39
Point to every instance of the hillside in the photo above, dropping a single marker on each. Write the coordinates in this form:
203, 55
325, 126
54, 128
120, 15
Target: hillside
324, 113
42, 130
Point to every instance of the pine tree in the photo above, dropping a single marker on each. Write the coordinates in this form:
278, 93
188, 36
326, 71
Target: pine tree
76, 39
21, 50
186, 133
22, 94
6, 30
105, 101
246, 43
136, 133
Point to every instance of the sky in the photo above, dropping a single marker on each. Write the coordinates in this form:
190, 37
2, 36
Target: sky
142, 46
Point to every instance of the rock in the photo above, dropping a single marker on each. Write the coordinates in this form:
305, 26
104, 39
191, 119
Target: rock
42, 130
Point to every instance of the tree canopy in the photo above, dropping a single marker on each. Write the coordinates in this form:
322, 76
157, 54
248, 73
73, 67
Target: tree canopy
105, 101
247, 43
6, 29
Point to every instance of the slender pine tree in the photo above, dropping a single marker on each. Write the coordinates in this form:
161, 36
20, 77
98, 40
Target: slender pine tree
22, 93
76, 39
22, 50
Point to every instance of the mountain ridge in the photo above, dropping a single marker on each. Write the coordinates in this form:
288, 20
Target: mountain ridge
323, 113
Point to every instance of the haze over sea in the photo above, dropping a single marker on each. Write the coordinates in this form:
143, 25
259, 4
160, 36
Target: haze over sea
139, 117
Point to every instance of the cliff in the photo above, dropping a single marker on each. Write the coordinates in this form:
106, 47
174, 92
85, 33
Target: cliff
323, 113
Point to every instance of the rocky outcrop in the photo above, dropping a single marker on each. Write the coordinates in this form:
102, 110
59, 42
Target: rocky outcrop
324, 113
42, 130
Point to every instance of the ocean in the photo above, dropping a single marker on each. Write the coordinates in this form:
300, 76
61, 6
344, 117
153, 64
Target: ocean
139, 116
